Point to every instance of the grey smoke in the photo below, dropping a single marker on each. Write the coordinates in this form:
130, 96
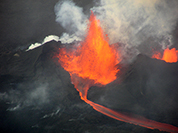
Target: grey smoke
131, 22
18, 99
72, 18
39, 95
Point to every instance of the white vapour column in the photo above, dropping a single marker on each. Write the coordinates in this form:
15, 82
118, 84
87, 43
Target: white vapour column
72, 19
46, 39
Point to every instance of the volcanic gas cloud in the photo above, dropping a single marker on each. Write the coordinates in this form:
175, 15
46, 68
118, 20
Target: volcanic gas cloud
94, 62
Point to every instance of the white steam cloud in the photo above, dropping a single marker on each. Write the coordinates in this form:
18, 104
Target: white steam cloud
134, 21
72, 18
46, 39
131, 22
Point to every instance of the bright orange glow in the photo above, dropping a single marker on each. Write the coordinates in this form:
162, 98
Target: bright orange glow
169, 55
94, 62
94, 59
157, 55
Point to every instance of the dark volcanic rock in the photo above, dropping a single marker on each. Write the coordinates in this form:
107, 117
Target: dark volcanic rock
149, 88
37, 96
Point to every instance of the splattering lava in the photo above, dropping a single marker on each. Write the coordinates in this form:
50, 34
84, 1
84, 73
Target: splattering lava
169, 55
94, 62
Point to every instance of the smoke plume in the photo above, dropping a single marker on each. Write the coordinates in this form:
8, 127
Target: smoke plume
18, 99
135, 23
46, 39
72, 19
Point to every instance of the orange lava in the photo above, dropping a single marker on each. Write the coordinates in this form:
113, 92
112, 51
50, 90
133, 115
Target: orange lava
133, 119
94, 62
94, 59
169, 55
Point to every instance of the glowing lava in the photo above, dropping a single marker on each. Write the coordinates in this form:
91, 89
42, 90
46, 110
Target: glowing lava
94, 59
94, 62
169, 55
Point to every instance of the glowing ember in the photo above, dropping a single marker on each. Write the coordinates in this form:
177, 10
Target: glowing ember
94, 62
169, 55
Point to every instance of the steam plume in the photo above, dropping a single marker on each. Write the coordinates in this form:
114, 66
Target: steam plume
131, 22
46, 39
71, 18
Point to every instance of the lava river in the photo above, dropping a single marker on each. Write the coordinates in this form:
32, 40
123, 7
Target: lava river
94, 62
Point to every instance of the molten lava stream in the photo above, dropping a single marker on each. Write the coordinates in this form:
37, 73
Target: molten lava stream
137, 120
94, 63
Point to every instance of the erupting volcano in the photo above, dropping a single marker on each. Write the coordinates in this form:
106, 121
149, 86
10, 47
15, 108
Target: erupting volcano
94, 62
169, 55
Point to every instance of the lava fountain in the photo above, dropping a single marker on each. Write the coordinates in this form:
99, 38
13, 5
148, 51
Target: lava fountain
169, 55
94, 62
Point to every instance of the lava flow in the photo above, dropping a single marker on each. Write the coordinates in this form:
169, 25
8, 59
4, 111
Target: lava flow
169, 55
94, 62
